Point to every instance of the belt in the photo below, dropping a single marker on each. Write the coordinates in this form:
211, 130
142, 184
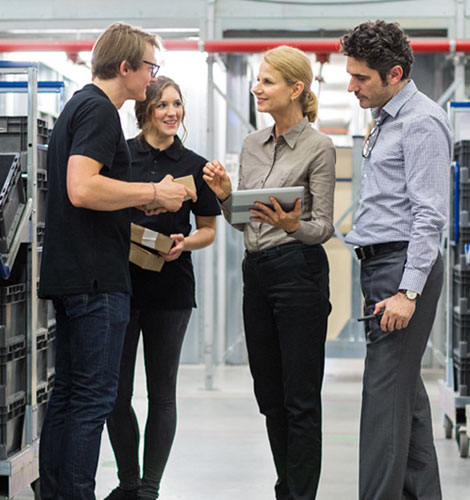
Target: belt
275, 250
369, 251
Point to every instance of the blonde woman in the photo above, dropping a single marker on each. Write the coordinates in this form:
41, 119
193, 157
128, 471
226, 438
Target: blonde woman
285, 270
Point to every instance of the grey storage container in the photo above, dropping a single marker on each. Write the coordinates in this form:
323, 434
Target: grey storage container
12, 198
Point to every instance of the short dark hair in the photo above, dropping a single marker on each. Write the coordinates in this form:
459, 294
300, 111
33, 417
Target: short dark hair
381, 45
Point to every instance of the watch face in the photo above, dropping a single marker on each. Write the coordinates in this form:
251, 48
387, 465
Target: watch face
411, 295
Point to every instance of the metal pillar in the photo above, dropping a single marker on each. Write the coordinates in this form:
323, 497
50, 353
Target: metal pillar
32, 278
350, 341
208, 326
238, 127
459, 59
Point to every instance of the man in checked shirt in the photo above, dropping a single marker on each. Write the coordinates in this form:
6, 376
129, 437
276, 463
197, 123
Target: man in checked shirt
396, 230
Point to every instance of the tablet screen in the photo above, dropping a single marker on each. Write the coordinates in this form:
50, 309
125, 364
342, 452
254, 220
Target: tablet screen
242, 201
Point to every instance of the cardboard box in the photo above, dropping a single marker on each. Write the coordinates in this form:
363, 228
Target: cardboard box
144, 258
150, 239
187, 180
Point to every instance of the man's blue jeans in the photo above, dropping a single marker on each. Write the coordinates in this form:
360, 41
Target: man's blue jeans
89, 338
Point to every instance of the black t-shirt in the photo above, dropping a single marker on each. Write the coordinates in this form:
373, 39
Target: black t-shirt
173, 286
85, 251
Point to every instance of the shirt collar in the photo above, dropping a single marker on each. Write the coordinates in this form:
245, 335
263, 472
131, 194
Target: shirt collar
291, 136
396, 102
174, 152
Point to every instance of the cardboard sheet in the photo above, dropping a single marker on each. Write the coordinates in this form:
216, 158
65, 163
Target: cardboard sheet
144, 258
187, 180
150, 239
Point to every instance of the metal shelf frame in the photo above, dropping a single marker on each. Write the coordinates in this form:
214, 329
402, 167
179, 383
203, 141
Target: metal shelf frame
455, 408
22, 469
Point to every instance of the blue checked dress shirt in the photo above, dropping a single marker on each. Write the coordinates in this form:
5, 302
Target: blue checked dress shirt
405, 182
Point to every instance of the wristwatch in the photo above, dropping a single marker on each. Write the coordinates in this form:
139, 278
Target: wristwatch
410, 294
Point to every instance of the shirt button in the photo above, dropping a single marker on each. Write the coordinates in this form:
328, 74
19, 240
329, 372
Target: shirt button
155, 162
354, 226
152, 171
365, 176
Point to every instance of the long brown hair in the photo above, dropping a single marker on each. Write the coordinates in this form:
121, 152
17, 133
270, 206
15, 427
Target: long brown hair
144, 110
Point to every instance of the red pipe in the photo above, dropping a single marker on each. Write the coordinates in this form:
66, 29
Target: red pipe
46, 45
462, 45
431, 45
181, 44
324, 45
232, 45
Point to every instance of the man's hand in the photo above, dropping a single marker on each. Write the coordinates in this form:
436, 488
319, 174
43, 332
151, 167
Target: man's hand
176, 250
397, 314
171, 194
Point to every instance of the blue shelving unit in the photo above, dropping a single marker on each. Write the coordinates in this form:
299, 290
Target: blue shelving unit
455, 407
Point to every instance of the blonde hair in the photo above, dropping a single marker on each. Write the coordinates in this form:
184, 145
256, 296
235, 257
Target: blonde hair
144, 110
120, 42
294, 66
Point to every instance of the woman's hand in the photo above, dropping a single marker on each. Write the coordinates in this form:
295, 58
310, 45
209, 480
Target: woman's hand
155, 211
217, 179
176, 250
287, 221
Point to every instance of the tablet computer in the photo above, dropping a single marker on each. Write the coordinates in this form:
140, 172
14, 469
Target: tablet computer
242, 201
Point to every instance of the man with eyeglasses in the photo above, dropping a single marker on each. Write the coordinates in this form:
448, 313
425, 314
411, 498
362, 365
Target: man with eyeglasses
154, 68
85, 268
396, 230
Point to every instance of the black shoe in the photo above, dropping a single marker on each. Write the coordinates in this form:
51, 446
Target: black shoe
120, 494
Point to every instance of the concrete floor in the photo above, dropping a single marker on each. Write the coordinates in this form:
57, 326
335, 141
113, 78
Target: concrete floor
221, 450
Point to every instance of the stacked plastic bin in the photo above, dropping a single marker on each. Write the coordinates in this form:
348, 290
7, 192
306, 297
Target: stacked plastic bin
461, 270
14, 291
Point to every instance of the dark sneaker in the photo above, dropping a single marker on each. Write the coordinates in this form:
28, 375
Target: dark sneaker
120, 494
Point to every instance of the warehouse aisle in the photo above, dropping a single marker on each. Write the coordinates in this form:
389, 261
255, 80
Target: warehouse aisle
221, 451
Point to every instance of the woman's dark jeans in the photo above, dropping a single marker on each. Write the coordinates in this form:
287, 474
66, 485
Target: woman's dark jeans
163, 333
285, 309
89, 336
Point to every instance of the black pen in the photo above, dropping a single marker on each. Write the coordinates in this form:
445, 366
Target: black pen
371, 316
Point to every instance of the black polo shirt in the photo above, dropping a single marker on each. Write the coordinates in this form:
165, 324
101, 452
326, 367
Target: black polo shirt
173, 287
85, 251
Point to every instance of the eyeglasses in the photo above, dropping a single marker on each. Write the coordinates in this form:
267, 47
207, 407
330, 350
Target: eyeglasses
154, 70
369, 143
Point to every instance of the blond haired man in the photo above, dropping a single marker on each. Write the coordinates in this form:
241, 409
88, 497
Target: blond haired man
85, 258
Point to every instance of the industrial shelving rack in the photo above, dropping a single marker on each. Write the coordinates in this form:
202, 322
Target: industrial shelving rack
22, 468
454, 392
